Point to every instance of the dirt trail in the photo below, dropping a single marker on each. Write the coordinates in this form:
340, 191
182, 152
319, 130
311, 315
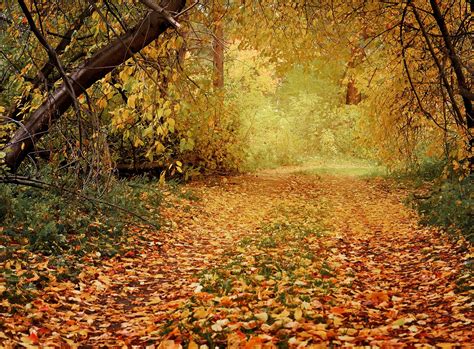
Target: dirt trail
403, 275
394, 282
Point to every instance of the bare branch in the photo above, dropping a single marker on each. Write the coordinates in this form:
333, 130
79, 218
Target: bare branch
155, 7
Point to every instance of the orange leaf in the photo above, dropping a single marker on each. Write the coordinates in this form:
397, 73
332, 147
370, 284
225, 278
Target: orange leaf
33, 337
338, 310
254, 343
226, 301
378, 297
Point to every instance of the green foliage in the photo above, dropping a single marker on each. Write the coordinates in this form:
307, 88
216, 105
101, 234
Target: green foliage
451, 206
210, 141
305, 116
429, 168
426, 169
55, 222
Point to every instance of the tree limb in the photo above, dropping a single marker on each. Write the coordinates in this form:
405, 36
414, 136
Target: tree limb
94, 69
456, 63
447, 85
155, 7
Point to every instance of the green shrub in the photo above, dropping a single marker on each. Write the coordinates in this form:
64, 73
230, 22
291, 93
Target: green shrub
428, 169
451, 206
4, 207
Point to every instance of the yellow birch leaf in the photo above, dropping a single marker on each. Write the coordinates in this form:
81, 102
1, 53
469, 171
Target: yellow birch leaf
298, 314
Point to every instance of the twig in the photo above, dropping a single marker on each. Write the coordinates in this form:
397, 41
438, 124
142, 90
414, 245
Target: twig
55, 60
155, 7
188, 8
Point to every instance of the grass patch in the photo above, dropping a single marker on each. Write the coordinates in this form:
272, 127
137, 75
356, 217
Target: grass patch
342, 167
346, 171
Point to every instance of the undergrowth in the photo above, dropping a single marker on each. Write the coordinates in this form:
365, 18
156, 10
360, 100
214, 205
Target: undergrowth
441, 197
450, 205
48, 235
416, 175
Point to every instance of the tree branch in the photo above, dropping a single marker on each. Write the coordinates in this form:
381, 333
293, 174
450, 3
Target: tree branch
55, 60
92, 70
458, 115
155, 7
456, 63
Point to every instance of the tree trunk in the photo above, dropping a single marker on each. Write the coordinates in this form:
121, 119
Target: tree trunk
462, 81
94, 69
353, 96
358, 56
43, 78
218, 44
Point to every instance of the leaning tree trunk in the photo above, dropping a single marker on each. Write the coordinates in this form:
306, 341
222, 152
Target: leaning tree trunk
44, 74
94, 69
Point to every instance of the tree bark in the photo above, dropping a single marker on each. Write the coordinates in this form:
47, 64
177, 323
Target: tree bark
218, 44
94, 69
358, 56
353, 96
458, 70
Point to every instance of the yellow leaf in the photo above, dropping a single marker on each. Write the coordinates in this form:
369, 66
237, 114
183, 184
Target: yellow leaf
262, 316
321, 334
200, 313
162, 178
193, 345
346, 338
298, 314
148, 131
131, 102
102, 103
285, 313
337, 321
137, 142
169, 344
159, 148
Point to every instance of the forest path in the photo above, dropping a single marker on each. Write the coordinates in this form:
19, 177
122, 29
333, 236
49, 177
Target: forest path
283, 256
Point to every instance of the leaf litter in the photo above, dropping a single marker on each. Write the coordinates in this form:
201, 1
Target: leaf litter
277, 259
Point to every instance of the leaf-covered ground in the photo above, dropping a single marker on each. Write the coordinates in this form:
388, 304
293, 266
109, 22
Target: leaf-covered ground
278, 259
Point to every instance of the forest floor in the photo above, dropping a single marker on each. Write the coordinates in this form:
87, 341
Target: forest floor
285, 257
